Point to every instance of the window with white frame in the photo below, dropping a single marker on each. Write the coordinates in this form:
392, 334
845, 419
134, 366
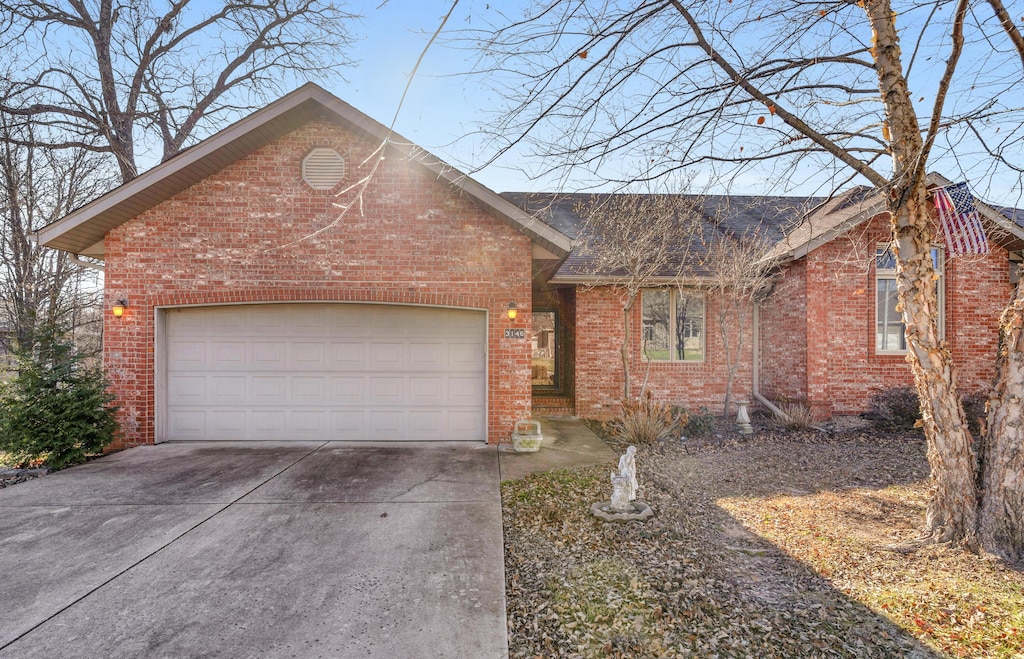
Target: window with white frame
890, 332
673, 325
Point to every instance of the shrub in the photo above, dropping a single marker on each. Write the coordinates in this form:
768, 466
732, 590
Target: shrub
646, 421
56, 409
898, 408
697, 424
796, 415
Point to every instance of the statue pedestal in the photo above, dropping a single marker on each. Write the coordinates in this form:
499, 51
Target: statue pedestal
603, 510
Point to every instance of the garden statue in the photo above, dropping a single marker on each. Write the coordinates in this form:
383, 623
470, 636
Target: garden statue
623, 506
624, 483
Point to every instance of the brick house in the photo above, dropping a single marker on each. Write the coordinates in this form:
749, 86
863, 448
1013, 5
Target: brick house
827, 334
290, 278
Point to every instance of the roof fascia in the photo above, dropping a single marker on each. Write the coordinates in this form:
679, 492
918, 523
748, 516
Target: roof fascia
548, 237
598, 280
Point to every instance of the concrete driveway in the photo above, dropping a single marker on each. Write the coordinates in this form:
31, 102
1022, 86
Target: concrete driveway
257, 550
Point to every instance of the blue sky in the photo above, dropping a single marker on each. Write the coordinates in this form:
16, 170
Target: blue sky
444, 106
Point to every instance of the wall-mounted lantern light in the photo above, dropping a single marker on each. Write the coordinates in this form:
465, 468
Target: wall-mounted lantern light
512, 311
119, 308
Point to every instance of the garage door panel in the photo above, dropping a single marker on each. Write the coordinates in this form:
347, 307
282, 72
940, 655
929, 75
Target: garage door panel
326, 372
259, 323
226, 322
308, 356
267, 356
308, 423
387, 321
426, 390
227, 389
348, 391
308, 321
387, 390
187, 389
227, 354
427, 423
348, 356
228, 424
428, 356
385, 424
348, 424
464, 391
388, 356
268, 423
188, 355
465, 423
308, 390
465, 357
268, 389
189, 424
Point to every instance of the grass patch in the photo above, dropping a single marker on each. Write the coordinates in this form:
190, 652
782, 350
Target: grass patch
958, 603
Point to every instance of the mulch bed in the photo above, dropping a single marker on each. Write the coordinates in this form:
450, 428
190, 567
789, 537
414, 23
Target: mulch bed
762, 546
9, 477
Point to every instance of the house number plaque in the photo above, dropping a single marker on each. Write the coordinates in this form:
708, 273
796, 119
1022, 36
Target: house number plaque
515, 333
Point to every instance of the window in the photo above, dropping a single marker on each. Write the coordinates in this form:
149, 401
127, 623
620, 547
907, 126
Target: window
544, 341
890, 333
673, 325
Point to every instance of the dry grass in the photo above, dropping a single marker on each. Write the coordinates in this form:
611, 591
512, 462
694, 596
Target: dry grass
777, 546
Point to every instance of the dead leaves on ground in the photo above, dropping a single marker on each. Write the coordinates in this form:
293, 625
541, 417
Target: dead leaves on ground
813, 579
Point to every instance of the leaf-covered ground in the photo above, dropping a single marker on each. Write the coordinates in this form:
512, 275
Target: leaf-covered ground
778, 545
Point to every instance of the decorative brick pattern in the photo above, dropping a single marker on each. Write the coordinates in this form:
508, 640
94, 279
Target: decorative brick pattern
255, 233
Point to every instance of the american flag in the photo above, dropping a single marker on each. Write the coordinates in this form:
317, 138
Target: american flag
961, 224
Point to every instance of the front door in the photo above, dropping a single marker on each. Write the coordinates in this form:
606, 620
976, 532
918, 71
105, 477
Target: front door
544, 341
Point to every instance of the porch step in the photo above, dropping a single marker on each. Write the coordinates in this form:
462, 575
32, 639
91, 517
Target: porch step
553, 406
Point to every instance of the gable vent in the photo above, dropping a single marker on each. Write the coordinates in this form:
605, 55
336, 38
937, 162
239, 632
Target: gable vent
323, 168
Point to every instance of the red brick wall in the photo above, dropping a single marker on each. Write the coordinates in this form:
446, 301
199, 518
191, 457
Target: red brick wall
842, 367
599, 374
245, 235
783, 336
977, 291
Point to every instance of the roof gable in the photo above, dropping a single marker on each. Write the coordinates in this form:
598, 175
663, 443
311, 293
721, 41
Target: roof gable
853, 207
82, 231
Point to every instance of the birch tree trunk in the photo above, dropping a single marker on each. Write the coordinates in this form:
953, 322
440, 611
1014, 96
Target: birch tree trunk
627, 388
1001, 523
953, 507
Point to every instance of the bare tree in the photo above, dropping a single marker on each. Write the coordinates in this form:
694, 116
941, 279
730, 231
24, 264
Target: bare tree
785, 87
112, 76
630, 240
737, 269
40, 287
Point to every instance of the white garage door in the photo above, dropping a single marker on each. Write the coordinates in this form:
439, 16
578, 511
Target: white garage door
324, 372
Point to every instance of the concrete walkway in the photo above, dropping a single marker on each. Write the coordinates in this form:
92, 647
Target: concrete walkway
257, 550
567, 443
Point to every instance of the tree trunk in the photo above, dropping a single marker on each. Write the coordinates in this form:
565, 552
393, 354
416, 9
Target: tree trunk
1001, 523
723, 319
627, 389
953, 509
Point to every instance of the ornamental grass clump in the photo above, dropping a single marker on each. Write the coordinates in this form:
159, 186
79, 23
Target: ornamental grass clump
645, 421
56, 410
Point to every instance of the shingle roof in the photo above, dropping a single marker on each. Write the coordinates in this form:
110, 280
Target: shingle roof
795, 225
767, 217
